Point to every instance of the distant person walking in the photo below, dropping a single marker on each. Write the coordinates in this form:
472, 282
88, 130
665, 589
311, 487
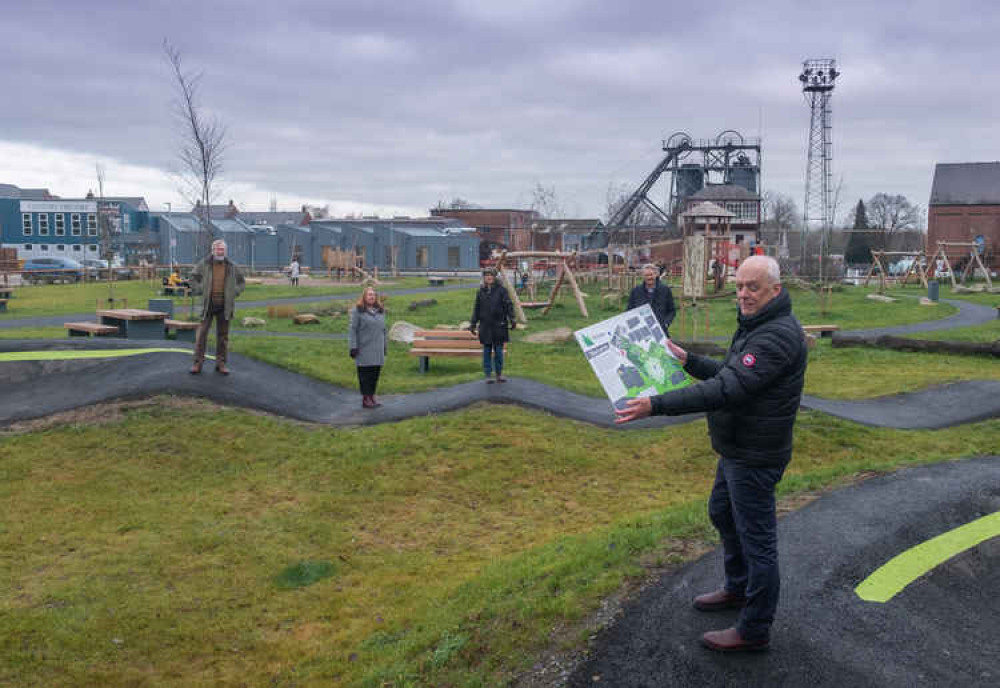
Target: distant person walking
752, 398
220, 281
492, 315
368, 344
293, 272
656, 294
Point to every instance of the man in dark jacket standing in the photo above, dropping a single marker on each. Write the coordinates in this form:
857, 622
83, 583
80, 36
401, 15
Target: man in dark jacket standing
656, 294
492, 314
752, 398
220, 281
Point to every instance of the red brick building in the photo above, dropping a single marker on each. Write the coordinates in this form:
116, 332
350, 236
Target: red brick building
496, 228
964, 205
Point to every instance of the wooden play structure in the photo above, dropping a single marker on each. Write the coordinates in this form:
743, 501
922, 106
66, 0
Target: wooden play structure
347, 264
880, 261
972, 260
509, 270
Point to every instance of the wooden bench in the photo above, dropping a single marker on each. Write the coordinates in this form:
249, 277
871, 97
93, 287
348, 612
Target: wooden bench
821, 330
3, 305
436, 281
184, 330
85, 329
428, 343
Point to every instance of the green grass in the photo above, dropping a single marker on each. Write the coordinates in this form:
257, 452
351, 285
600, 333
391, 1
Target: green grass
861, 372
945, 292
32, 332
62, 299
194, 545
987, 332
849, 309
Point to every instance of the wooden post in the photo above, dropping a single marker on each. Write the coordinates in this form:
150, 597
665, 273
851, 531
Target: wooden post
511, 291
555, 289
576, 290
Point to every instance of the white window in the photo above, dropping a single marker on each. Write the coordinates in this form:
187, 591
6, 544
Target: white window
60, 224
43, 224
26, 227
75, 226
92, 248
44, 247
91, 224
77, 247
60, 247
27, 247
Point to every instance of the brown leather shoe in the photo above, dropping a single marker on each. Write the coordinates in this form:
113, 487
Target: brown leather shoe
366, 401
221, 369
730, 640
196, 369
719, 600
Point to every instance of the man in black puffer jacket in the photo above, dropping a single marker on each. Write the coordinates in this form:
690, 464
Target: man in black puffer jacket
752, 398
656, 294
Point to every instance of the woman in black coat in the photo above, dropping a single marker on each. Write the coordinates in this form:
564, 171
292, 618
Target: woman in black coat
492, 314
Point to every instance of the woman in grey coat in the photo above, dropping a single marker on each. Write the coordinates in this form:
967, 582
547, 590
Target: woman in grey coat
368, 343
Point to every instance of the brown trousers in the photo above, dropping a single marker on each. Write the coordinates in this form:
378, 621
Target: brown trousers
217, 311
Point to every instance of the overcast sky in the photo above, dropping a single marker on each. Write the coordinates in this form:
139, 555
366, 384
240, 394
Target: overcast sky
391, 107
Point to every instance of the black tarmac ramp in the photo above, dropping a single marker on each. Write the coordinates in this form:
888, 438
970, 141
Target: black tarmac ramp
940, 630
37, 388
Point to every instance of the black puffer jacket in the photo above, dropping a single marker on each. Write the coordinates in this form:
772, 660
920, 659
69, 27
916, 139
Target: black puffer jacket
662, 303
752, 396
492, 314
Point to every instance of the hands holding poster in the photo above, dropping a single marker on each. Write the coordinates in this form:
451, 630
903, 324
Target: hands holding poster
630, 357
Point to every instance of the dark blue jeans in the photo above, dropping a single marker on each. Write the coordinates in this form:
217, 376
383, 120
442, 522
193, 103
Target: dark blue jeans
494, 352
742, 509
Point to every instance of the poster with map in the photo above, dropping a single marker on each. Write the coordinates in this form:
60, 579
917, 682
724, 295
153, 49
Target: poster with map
630, 357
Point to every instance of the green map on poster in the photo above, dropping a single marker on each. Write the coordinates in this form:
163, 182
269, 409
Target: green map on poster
630, 357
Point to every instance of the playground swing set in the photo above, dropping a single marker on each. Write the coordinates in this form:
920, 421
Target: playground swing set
511, 273
923, 269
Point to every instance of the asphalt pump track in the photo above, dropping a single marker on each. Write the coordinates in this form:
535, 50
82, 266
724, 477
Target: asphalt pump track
936, 629
43, 377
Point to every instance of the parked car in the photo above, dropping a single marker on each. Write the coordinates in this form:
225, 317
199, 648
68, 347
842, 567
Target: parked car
51, 270
96, 268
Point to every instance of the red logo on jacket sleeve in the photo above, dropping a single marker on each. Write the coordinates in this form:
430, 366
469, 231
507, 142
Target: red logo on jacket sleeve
749, 360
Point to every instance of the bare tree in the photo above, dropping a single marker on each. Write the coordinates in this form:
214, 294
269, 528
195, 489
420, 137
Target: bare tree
545, 202
457, 203
104, 228
779, 216
202, 146
891, 214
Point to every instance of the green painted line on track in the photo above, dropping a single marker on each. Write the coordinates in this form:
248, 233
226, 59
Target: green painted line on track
890, 578
65, 355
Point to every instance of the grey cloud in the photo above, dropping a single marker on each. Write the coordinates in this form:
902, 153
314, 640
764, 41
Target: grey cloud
405, 103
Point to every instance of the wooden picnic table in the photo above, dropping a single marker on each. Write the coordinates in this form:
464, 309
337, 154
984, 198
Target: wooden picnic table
134, 323
6, 293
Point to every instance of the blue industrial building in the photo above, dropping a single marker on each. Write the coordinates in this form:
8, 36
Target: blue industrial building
38, 224
438, 244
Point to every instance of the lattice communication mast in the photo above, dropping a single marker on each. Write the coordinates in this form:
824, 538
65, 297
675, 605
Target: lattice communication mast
818, 77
